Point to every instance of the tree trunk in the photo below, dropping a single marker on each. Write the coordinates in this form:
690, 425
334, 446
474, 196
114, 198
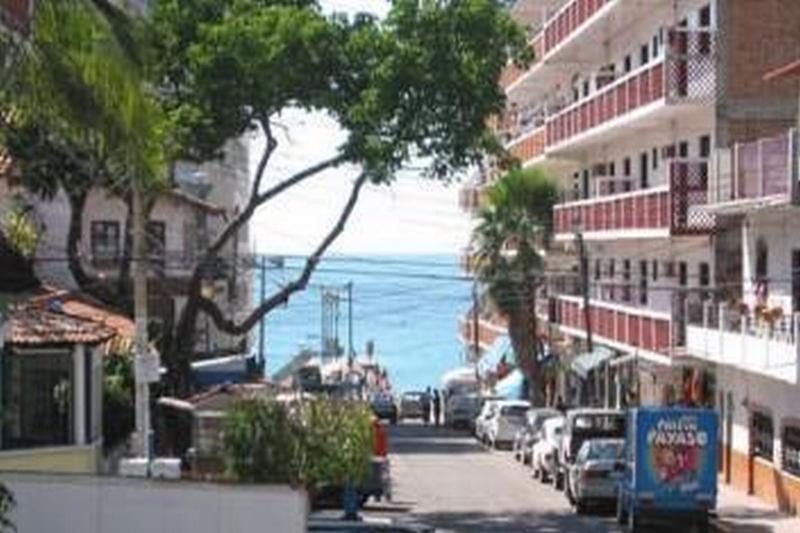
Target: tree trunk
77, 201
124, 279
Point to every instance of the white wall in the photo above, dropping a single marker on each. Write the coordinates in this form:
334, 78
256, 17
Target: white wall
50, 503
777, 398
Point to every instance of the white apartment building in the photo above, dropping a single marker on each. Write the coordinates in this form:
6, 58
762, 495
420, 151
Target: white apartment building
679, 182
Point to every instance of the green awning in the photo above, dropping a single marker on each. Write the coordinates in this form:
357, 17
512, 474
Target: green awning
586, 362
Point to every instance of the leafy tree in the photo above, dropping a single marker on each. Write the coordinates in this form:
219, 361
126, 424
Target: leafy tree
513, 227
418, 86
118, 399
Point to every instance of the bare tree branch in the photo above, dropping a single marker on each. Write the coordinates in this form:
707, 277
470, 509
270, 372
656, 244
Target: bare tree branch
281, 297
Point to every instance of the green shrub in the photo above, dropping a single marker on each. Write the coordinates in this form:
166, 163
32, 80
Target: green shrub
318, 443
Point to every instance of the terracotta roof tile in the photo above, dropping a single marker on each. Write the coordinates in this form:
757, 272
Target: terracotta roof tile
61, 317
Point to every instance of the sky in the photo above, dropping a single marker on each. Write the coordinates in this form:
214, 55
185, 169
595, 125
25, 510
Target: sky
412, 216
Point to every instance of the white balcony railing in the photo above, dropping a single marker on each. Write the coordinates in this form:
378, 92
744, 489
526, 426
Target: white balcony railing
759, 170
723, 334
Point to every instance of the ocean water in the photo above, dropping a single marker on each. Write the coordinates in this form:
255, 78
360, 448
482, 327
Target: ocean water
407, 305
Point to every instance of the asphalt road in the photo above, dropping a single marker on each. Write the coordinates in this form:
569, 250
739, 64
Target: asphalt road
447, 480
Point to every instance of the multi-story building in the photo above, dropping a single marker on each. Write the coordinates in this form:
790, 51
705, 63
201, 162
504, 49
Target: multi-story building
648, 114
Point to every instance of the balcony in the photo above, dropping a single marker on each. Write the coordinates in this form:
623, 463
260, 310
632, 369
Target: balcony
685, 75
513, 73
489, 329
469, 198
569, 19
723, 335
623, 327
672, 209
529, 146
755, 174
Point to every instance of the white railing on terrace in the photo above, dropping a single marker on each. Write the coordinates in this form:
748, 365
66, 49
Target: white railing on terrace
758, 169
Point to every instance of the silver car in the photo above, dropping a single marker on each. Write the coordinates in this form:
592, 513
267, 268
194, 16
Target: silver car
594, 476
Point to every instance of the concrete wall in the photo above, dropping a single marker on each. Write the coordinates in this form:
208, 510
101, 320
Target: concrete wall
101, 505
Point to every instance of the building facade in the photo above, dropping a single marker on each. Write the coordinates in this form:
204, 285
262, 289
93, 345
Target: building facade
677, 168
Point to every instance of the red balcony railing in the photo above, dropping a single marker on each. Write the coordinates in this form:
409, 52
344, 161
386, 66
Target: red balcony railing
674, 207
687, 73
758, 169
568, 20
489, 328
16, 14
617, 99
512, 72
637, 328
532, 145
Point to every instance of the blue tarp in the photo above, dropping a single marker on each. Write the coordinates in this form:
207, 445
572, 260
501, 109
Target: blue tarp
501, 347
512, 387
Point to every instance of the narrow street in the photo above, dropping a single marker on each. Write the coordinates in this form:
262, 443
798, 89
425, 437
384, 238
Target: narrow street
451, 482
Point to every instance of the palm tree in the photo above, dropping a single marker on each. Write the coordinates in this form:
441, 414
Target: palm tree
513, 226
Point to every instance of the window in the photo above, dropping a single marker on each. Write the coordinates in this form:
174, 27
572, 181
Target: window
644, 168
669, 269
612, 169
156, 242
626, 167
627, 63
762, 259
596, 269
704, 274
683, 274
762, 435
655, 270
105, 241
705, 16
644, 54
643, 282
586, 88
626, 276
683, 149
654, 157
37, 398
790, 451
655, 46
705, 146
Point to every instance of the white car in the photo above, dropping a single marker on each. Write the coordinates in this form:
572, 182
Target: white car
507, 418
545, 451
482, 420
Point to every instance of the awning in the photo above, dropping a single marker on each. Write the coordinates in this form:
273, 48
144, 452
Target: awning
586, 362
465, 375
512, 387
501, 347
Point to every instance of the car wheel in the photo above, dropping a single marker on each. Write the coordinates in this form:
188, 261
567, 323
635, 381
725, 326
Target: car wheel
544, 476
558, 481
580, 506
634, 522
535, 473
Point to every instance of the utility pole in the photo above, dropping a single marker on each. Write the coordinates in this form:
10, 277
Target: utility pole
584, 272
350, 352
475, 321
141, 347
262, 326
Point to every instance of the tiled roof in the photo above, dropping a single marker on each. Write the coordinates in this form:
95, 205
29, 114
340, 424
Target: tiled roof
65, 318
193, 201
30, 325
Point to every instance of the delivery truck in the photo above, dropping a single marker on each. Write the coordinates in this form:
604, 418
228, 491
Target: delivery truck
670, 467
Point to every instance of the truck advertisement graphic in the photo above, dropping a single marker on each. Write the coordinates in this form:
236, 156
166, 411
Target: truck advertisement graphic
671, 464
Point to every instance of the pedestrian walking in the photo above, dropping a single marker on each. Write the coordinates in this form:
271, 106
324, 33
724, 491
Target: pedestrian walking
426, 406
437, 407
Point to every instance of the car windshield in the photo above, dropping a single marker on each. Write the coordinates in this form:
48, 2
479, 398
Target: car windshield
598, 423
412, 396
513, 411
605, 450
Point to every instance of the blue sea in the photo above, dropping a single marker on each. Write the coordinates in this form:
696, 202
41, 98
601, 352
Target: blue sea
408, 305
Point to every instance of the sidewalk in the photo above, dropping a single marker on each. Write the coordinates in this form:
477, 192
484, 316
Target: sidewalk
740, 513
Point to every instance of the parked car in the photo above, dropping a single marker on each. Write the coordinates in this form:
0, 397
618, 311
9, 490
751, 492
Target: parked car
507, 419
411, 405
594, 477
527, 436
585, 424
482, 420
462, 409
545, 451
384, 407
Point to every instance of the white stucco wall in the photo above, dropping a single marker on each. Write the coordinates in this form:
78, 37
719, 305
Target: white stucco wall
100, 505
